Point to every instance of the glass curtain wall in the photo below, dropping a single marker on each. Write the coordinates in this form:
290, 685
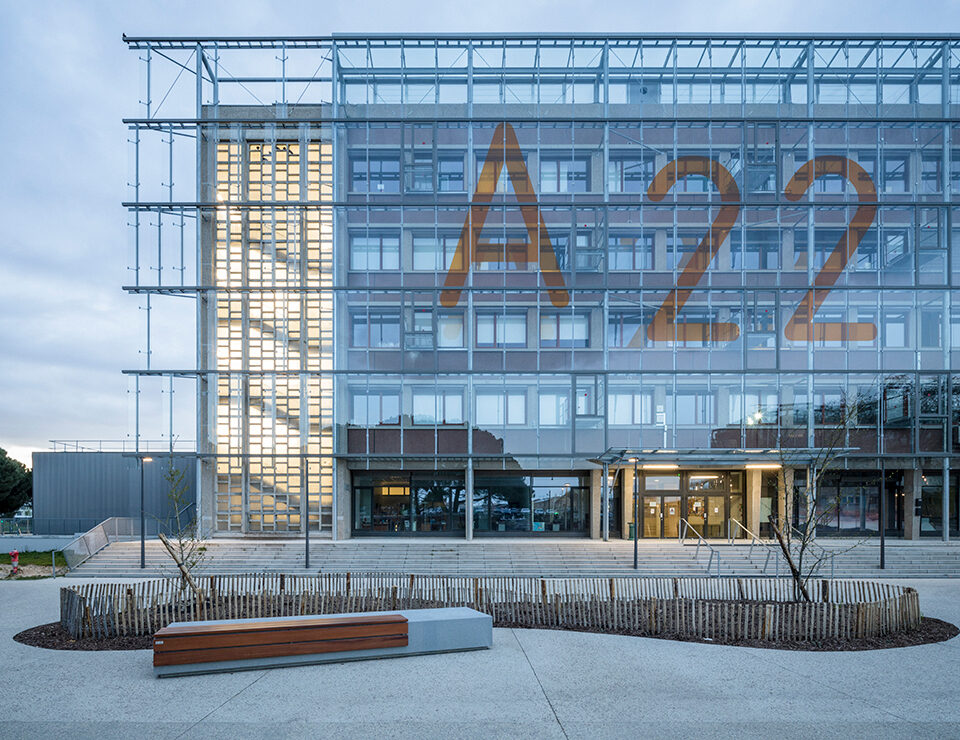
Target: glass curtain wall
524, 251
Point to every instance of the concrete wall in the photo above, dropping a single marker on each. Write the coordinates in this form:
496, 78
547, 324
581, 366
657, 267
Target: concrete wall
74, 491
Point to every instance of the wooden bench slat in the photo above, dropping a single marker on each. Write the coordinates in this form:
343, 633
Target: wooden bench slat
170, 643
188, 657
199, 628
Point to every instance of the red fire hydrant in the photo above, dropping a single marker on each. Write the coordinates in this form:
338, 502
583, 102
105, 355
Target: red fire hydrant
15, 561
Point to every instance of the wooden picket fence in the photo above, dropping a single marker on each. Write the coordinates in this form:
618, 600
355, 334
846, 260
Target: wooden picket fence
719, 609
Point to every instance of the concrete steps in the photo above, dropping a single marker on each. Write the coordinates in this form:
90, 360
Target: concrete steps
559, 558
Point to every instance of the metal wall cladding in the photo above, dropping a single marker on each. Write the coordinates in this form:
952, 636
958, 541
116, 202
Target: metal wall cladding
74, 491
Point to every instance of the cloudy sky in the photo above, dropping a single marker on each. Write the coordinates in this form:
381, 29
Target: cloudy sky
67, 80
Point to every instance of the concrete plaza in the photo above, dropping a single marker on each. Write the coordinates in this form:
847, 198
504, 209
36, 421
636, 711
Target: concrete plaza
532, 684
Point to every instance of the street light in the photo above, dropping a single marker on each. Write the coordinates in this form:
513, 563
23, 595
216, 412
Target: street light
636, 516
143, 542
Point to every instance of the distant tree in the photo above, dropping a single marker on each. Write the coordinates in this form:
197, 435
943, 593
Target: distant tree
16, 484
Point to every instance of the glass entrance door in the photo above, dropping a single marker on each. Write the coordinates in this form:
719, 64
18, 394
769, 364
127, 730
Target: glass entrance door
696, 516
716, 516
706, 499
661, 516
651, 516
671, 516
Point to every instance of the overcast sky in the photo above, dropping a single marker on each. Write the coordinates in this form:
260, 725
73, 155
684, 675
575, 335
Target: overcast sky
67, 80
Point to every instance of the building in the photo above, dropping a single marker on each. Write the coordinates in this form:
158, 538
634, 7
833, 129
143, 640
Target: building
443, 283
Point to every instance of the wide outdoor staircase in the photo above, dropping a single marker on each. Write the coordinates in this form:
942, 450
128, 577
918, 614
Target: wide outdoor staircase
501, 558
569, 558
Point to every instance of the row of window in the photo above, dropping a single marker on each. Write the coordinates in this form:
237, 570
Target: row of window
586, 86
381, 329
634, 250
897, 328
509, 407
570, 172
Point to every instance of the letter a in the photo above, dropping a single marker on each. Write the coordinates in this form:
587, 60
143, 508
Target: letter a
504, 149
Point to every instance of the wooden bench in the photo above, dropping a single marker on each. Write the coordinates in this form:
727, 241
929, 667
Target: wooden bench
186, 648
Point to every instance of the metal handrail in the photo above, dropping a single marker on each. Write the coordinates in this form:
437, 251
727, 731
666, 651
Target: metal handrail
94, 540
122, 445
685, 528
755, 540
825, 553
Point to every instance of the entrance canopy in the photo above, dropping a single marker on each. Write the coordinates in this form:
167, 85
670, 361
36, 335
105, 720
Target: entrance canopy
772, 458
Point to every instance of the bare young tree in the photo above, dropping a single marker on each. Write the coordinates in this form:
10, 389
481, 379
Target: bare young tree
803, 556
185, 544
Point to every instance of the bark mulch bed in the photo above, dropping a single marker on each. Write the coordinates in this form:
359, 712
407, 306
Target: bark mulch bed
53, 637
931, 630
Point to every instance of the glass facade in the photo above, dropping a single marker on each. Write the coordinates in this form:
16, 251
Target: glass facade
500, 257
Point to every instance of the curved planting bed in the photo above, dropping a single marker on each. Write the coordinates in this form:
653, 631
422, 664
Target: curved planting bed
761, 612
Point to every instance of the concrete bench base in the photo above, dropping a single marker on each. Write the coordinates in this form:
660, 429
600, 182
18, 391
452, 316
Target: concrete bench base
429, 631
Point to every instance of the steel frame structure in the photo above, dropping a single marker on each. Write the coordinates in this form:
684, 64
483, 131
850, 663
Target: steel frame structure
201, 91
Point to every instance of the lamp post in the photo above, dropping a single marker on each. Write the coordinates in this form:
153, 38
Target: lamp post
143, 540
883, 524
636, 517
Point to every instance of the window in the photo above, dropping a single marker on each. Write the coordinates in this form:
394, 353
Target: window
501, 408
629, 408
435, 253
419, 329
681, 246
378, 173
828, 407
374, 252
759, 249
564, 330
896, 174
625, 327
564, 175
420, 174
504, 183
501, 330
930, 180
896, 244
581, 247
759, 408
894, 329
931, 327
450, 174
630, 252
450, 331
629, 174
375, 329
695, 407
503, 252
554, 408
370, 408
440, 407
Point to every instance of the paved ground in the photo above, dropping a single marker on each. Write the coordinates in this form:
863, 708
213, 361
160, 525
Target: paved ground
534, 684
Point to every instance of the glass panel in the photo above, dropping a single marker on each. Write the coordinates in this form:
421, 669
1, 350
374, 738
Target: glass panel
696, 513
706, 482
651, 516
736, 512
671, 516
716, 516
661, 482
